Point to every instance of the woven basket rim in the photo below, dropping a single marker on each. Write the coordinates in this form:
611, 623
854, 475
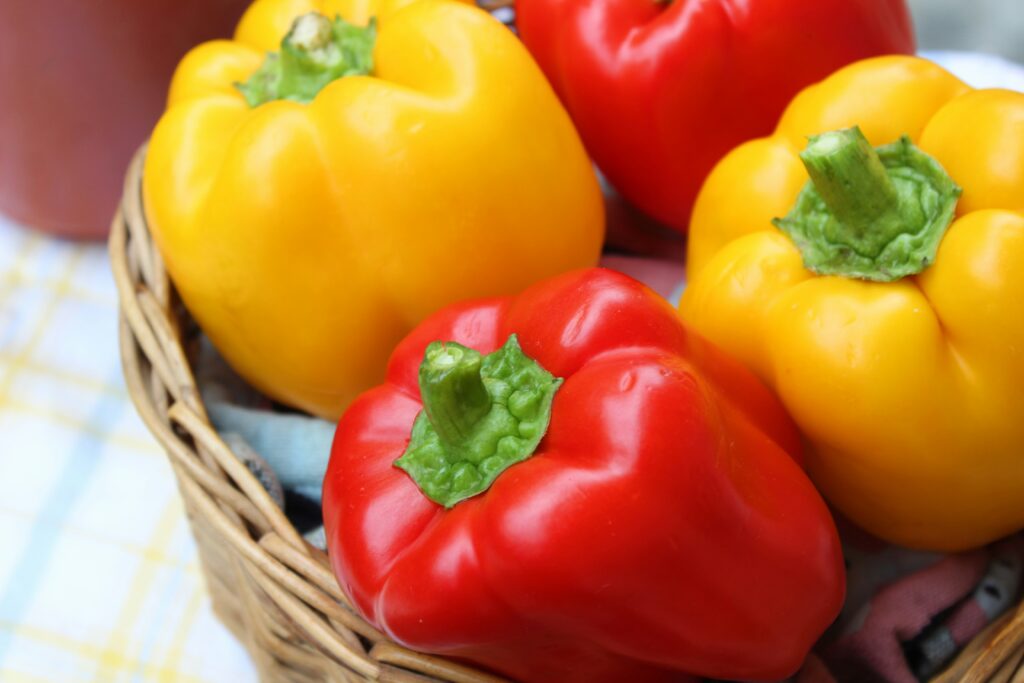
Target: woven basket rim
273, 589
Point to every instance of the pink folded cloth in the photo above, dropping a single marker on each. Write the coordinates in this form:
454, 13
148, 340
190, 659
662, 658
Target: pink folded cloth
908, 613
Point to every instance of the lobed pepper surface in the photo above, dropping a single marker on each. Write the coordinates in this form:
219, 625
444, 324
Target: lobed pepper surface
894, 337
314, 205
662, 525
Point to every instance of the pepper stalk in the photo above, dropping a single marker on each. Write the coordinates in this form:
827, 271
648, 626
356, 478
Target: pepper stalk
314, 52
481, 415
874, 214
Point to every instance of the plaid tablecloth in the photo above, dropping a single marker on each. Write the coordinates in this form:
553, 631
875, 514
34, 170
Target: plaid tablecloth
99, 578
98, 574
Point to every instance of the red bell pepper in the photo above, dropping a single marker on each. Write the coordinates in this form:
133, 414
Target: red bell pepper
660, 90
662, 524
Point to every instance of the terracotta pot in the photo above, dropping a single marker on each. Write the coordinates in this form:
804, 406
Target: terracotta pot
82, 82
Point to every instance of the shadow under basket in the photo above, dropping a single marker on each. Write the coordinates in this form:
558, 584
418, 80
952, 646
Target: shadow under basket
271, 588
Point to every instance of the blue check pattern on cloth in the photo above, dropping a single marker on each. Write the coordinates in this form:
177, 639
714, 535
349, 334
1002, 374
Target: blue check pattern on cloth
99, 578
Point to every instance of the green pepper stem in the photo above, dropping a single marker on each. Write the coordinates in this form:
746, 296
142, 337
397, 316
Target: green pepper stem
855, 186
482, 414
306, 52
315, 52
453, 392
871, 213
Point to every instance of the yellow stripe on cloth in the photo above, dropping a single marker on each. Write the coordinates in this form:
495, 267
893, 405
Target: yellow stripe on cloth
15, 275
99, 580
172, 660
23, 355
112, 658
83, 650
189, 567
19, 677
142, 445
61, 375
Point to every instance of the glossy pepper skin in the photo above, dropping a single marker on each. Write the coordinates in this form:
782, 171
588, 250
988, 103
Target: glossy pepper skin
910, 393
660, 91
308, 238
663, 525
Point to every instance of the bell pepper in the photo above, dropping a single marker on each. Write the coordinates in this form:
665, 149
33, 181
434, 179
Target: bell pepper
886, 310
313, 205
567, 485
661, 90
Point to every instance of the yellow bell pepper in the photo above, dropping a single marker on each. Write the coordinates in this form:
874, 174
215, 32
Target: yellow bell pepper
315, 204
903, 367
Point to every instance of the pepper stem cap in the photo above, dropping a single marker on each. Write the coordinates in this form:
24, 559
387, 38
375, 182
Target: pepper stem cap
867, 213
314, 52
481, 415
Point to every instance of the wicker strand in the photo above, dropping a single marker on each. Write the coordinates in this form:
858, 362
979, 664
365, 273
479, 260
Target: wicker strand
155, 276
203, 433
954, 673
1004, 646
344, 620
167, 337
1009, 668
309, 594
305, 565
315, 629
178, 452
130, 209
298, 655
268, 622
261, 567
132, 310
432, 666
391, 674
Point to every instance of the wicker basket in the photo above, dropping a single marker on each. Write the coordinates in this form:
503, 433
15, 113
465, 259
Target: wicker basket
268, 585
